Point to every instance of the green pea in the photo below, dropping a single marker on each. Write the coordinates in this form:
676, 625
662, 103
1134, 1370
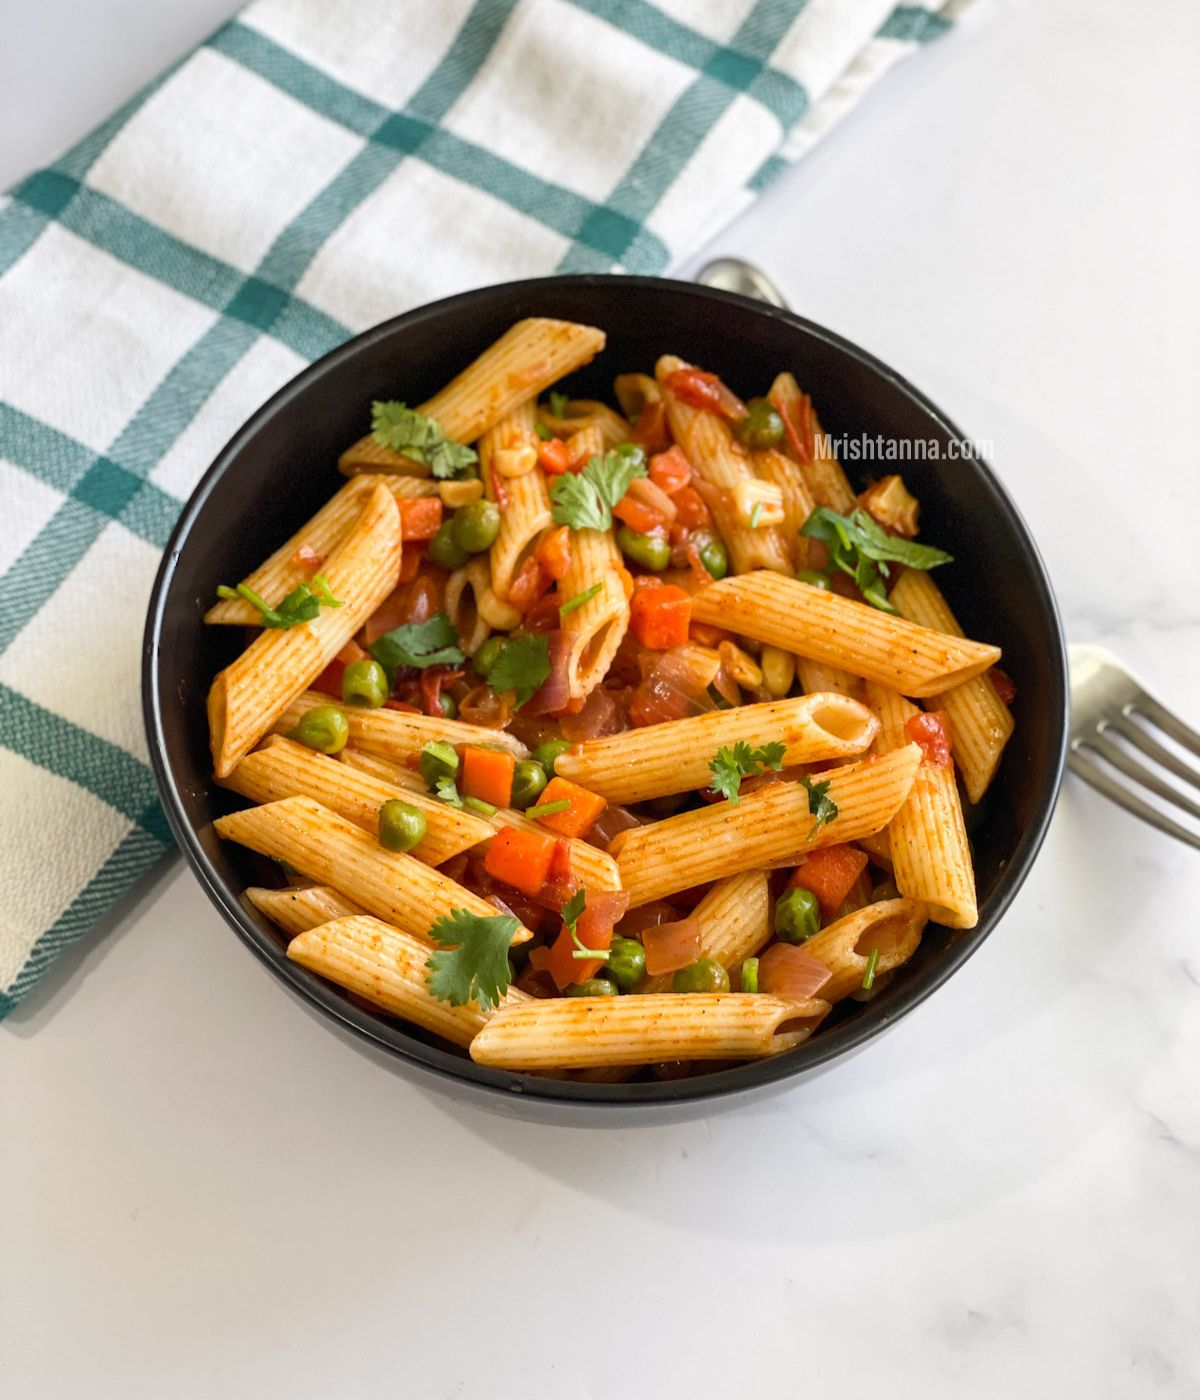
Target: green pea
814, 577
445, 550
437, 760
762, 425
401, 826
476, 526
631, 452
712, 553
549, 753
797, 915
448, 705
626, 963
704, 975
650, 551
364, 684
487, 655
593, 987
884, 890
529, 778
323, 728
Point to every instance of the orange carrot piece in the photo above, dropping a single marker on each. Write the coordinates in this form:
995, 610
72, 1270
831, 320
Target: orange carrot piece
574, 820
420, 518
554, 552
487, 774
660, 617
520, 858
830, 874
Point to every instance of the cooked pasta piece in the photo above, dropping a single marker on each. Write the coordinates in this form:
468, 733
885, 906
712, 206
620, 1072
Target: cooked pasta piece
662, 759
332, 851
386, 966
980, 722
248, 696
840, 632
596, 628
526, 359
708, 443
581, 1032
283, 768
769, 825
396, 734
465, 590
734, 918
816, 676
304, 555
773, 466
297, 910
823, 475
879, 848
893, 926
525, 498
595, 868
931, 860
609, 426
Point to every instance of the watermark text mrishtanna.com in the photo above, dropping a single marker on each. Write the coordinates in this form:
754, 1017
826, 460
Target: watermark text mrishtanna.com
868, 447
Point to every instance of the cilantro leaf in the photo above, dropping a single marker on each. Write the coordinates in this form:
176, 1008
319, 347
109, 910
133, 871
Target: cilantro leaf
445, 789
741, 761
558, 404
523, 664
404, 430
472, 963
574, 907
302, 604
421, 644
820, 804
584, 500
862, 548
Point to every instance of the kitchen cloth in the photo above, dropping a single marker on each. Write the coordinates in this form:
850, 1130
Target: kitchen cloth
315, 167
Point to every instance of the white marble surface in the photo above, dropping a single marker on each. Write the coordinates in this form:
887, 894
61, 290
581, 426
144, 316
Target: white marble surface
203, 1192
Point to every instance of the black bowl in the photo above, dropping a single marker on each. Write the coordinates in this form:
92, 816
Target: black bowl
280, 468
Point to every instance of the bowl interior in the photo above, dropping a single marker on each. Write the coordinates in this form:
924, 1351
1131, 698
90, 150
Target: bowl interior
281, 467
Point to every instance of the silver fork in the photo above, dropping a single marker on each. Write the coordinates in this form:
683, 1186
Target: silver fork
1108, 706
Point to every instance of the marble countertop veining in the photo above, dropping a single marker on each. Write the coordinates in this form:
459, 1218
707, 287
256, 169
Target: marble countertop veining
206, 1193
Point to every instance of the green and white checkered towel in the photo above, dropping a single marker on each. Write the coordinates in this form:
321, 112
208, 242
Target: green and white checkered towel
316, 167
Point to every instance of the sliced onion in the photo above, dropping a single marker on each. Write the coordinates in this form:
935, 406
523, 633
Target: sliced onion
555, 691
786, 970
483, 706
610, 823
601, 715
671, 946
646, 916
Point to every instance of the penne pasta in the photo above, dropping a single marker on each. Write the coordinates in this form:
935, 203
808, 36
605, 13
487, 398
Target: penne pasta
931, 860
297, 910
332, 851
816, 676
662, 759
304, 554
815, 623
386, 966
283, 768
249, 695
583, 1032
595, 868
526, 359
608, 425
823, 475
597, 628
396, 734
735, 922
769, 825
708, 442
773, 466
525, 499
980, 722
465, 590
893, 926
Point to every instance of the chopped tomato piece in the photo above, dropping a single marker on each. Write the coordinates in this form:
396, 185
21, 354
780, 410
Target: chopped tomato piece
830, 874
487, 774
529, 585
699, 389
411, 560
421, 518
690, 509
435, 679
931, 731
520, 858
554, 456
576, 818
554, 552
660, 617
670, 471
640, 517
594, 929
1003, 682
800, 429
402, 706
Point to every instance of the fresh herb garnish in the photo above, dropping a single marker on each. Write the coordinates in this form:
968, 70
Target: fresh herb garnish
301, 605
869, 976
523, 664
584, 500
445, 789
820, 804
756, 515
542, 431
862, 548
558, 404
579, 599
574, 907
749, 974
420, 644
472, 964
404, 430
732, 765
548, 809
477, 804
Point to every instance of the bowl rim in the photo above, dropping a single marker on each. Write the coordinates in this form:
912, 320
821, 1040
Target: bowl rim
429, 1058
